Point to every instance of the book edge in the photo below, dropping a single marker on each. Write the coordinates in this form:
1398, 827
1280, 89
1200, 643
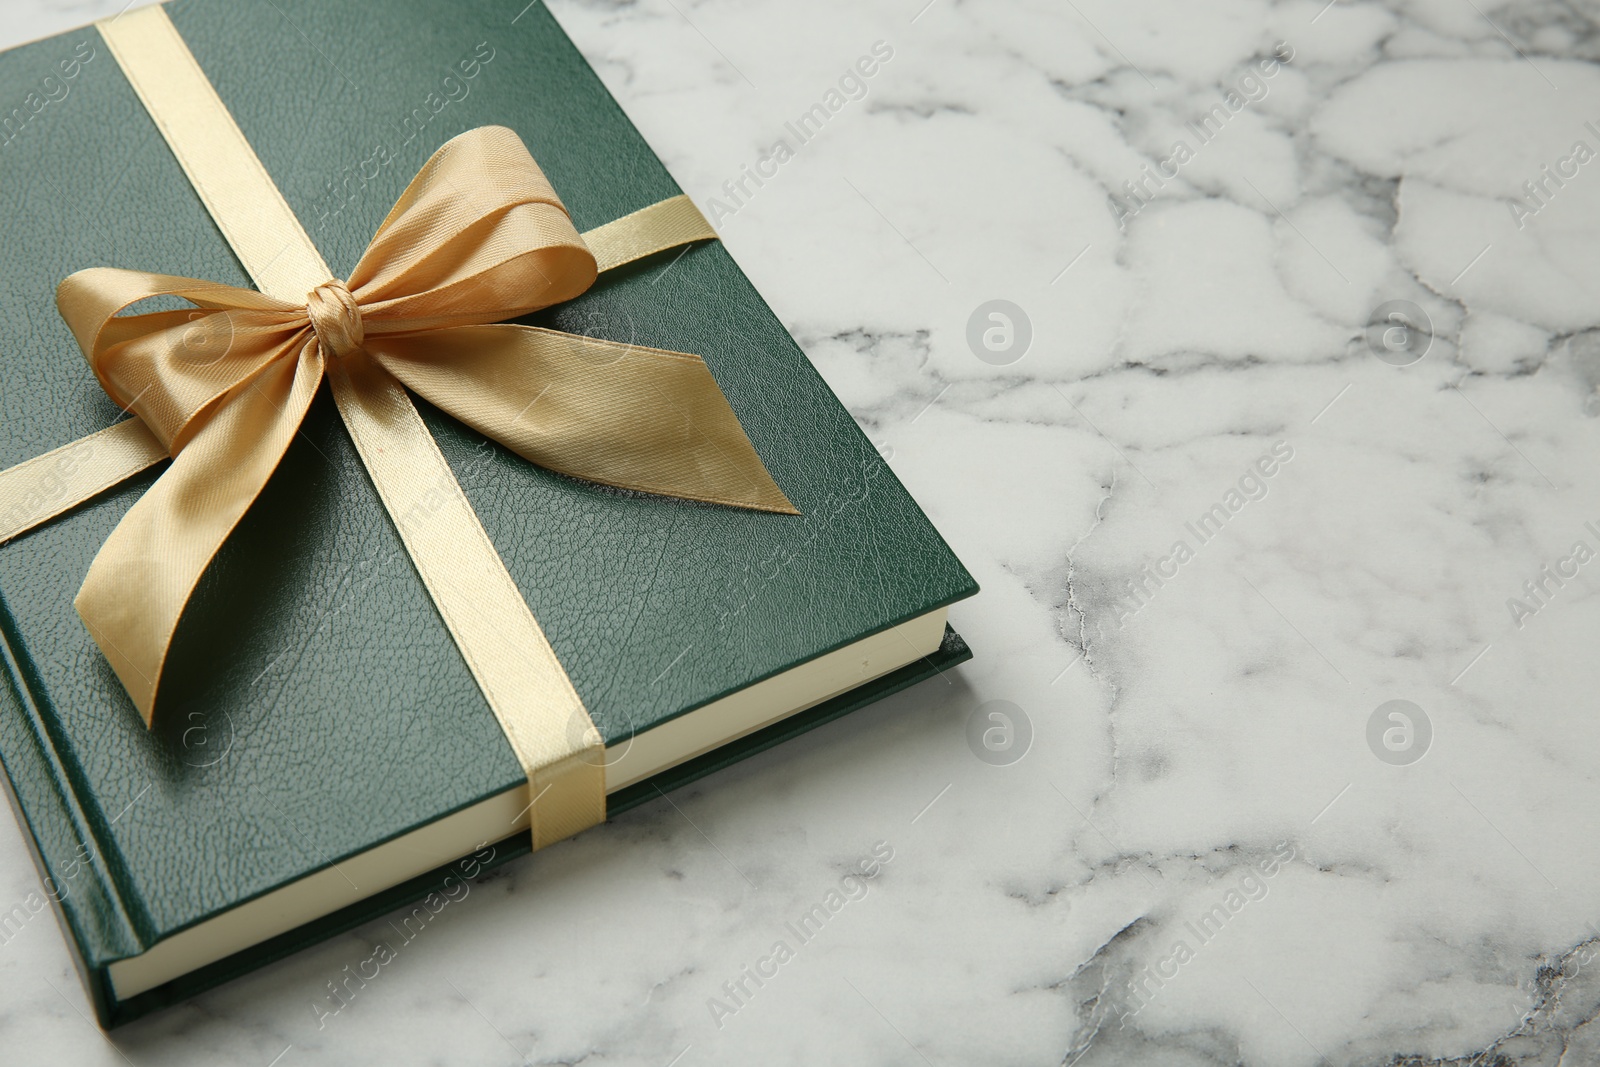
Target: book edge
952, 651
101, 927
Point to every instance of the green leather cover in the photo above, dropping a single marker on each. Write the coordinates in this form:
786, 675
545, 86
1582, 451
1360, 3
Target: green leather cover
314, 705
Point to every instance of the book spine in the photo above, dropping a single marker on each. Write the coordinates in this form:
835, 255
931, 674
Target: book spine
73, 860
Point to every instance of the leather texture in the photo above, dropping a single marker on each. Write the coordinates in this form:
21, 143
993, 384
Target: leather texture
314, 704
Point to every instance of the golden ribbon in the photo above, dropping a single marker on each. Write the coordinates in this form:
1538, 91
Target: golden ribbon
478, 237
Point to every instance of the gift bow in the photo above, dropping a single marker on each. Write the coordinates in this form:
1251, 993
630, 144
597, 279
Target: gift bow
478, 237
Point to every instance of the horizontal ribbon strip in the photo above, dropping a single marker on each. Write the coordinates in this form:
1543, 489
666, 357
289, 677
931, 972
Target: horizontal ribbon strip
37, 490
40, 489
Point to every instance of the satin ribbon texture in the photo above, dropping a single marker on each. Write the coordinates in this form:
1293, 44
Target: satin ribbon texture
478, 237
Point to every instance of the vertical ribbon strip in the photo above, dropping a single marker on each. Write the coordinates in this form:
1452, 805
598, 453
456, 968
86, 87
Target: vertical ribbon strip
508, 653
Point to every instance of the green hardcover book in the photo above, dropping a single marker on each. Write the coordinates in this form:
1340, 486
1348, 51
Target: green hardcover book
321, 754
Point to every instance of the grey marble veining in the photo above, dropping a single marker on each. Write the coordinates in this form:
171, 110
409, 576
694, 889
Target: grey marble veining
1288, 604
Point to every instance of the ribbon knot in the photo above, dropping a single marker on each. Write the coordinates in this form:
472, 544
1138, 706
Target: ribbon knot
335, 318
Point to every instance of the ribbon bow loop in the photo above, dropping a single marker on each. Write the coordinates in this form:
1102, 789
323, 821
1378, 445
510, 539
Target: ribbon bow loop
171, 367
479, 236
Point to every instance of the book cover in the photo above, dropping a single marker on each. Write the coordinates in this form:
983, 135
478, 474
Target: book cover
315, 706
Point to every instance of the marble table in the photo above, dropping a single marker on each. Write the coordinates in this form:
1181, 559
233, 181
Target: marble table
1280, 746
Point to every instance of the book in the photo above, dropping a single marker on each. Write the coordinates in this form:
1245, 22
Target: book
321, 754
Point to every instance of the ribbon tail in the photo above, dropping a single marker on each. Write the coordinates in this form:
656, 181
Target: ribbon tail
148, 568
623, 415
541, 714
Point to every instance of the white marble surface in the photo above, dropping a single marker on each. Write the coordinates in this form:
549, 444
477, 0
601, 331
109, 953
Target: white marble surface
1185, 742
